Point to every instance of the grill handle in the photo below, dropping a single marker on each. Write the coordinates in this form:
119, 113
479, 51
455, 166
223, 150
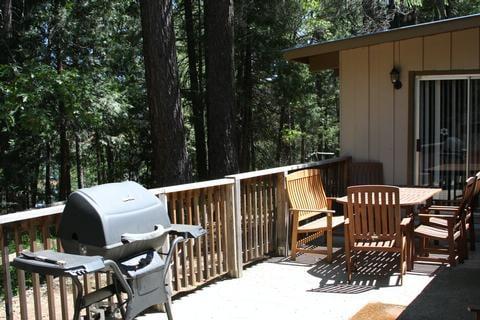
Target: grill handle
132, 237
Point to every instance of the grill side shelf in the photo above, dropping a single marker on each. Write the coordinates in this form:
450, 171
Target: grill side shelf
54, 263
187, 230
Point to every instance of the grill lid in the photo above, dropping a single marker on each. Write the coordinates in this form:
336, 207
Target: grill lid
98, 216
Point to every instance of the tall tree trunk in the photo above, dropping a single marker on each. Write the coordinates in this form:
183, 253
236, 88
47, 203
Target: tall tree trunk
5, 30
99, 159
110, 162
6, 18
290, 144
303, 155
451, 9
246, 140
440, 7
281, 126
3, 165
197, 105
48, 173
34, 185
253, 158
78, 161
170, 160
65, 186
222, 152
201, 55
323, 116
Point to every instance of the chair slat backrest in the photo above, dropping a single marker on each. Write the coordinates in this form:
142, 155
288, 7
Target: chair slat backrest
374, 212
363, 173
468, 193
305, 191
476, 192
477, 184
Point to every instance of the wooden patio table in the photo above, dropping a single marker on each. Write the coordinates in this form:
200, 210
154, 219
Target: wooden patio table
409, 198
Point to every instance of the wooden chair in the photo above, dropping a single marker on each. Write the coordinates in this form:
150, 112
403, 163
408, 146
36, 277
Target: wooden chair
311, 211
374, 223
445, 224
470, 202
364, 173
470, 223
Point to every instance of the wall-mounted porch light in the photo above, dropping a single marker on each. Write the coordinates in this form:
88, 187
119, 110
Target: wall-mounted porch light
395, 78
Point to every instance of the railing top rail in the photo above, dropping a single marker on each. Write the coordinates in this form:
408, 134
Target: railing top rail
30, 214
266, 172
228, 180
192, 186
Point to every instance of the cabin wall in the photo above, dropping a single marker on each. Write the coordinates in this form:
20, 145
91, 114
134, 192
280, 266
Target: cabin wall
376, 121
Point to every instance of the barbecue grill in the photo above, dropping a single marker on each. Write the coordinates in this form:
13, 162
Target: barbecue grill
116, 227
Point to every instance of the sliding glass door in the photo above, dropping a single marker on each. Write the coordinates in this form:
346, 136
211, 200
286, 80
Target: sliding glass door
447, 110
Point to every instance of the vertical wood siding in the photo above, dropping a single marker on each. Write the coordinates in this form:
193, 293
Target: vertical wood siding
354, 101
375, 119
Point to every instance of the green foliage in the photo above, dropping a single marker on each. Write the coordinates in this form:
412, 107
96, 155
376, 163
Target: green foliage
87, 57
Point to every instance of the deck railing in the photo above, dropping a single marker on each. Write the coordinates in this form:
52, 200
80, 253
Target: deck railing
245, 215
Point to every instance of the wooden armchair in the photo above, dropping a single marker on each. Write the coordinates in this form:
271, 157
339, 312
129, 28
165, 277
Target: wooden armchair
469, 202
311, 211
374, 223
445, 224
469, 221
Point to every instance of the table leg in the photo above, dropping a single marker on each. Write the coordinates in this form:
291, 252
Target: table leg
409, 210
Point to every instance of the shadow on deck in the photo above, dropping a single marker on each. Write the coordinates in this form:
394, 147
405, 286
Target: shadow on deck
374, 270
280, 288
449, 294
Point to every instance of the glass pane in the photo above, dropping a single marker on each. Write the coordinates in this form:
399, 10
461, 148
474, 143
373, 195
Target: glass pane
474, 131
443, 135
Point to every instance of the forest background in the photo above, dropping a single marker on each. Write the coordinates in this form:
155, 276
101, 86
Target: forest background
77, 107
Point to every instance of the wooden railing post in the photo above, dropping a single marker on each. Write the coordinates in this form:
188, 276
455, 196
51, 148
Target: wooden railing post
283, 217
234, 216
7, 281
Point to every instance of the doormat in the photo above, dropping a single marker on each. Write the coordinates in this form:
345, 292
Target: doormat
379, 311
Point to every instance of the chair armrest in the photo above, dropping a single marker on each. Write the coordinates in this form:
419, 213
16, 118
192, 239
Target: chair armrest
446, 216
476, 310
443, 208
453, 202
405, 222
313, 210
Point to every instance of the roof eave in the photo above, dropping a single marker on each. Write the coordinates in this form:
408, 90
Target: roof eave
302, 54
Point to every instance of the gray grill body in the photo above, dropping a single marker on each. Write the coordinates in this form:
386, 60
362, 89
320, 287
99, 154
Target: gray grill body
117, 227
94, 220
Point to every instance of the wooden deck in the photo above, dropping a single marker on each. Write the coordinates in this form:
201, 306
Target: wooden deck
311, 289
247, 219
